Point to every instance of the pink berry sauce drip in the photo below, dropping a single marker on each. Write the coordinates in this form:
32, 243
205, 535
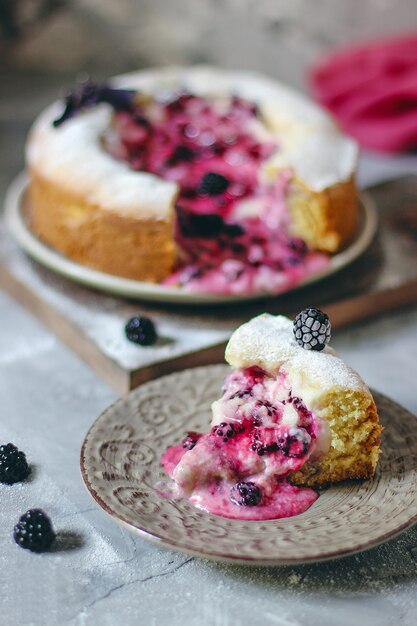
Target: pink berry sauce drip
260, 434
231, 226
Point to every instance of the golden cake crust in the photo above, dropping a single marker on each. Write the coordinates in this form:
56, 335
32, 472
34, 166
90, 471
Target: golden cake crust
326, 219
118, 244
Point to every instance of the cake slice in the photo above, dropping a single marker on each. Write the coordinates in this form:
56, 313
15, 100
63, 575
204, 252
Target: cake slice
332, 391
292, 415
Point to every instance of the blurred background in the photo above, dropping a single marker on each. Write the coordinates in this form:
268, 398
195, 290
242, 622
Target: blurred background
45, 43
279, 37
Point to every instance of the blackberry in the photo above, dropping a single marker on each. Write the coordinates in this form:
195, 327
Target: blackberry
226, 430
141, 330
232, 231
298, 245
263, 443
88, 94
180, 154
213, 184
34, 531
190, 440
295, 442
13, 465
206, 226
246, 494
312, 329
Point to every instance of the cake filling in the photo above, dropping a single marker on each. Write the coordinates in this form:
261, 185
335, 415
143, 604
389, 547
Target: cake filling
231, 220
260, 433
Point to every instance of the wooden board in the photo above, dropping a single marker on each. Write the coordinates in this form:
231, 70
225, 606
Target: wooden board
91, 324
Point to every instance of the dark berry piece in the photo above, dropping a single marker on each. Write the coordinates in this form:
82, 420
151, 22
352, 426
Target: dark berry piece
204, 225
312, 329
241, 394
190, 440
226, 430
213, 184
13, 465
246, 494
89, 94
264, 441
261, 449
295, 442
141, 121
34, 531
232, 231
303, 411
292, 261
298, 245
181, 154
270, 408
141, 330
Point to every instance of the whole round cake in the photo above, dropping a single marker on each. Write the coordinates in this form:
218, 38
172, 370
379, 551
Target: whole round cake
212, 180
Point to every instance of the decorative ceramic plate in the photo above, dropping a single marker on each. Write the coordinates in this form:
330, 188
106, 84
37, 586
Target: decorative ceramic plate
16, 209
120, 463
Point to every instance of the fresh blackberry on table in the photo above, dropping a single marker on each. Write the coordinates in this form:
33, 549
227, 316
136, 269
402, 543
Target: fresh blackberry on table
213, 184
34, 531
312, 329
246, 494
141, 330
13, 465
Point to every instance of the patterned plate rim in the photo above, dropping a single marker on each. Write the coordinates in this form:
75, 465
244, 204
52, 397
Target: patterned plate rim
143, 532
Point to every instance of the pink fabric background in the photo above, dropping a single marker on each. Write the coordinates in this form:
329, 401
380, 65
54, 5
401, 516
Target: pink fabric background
371, 90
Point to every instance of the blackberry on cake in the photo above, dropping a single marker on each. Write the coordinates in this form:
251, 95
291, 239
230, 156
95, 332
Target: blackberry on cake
213, 184
312, 329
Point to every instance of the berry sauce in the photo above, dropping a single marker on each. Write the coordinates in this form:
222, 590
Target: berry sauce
231, 221
260, 434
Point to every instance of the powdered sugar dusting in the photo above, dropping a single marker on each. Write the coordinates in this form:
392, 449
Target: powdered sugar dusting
267, 341
72, 155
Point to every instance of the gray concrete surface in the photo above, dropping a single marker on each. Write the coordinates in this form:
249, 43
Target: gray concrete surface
101, 574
